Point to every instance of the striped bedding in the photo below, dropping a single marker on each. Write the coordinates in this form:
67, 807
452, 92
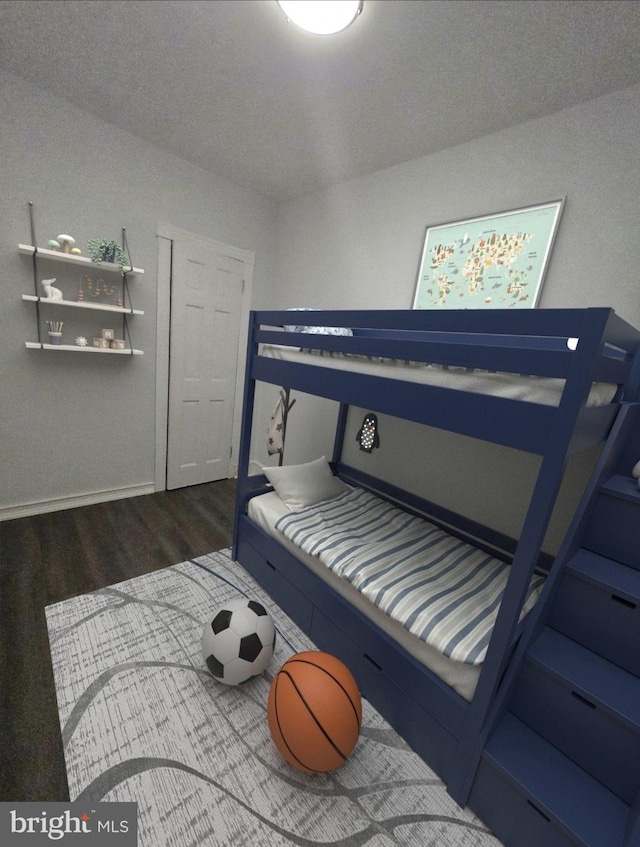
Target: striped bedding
440, 588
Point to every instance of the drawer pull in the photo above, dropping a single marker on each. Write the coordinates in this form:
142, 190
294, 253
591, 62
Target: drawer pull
623, 601
269, 565
536, 809
371, 662
583, 700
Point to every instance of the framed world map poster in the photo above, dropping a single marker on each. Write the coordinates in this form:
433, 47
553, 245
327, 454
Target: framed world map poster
495, 261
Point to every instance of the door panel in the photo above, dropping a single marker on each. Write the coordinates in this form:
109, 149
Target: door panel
206, 295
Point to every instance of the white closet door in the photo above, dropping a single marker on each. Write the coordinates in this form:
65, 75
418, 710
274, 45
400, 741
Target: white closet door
206, 295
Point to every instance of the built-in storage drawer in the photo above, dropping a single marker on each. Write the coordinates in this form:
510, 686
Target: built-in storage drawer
516, 821
447, 707
582, 729
286, 595
424, 734
532, 794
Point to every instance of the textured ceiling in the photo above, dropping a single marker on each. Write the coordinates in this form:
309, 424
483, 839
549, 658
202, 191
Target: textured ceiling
233, 87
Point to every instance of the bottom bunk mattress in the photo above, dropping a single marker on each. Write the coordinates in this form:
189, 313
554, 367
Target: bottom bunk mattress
434, 594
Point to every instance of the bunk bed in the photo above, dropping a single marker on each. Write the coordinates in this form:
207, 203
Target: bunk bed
548, 382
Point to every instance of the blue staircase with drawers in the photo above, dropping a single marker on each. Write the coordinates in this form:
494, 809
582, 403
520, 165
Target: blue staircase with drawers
562, 764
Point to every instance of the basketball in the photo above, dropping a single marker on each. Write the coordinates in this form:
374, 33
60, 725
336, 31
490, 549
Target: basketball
314, 712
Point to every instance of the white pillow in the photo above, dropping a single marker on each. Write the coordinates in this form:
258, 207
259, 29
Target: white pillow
305, 485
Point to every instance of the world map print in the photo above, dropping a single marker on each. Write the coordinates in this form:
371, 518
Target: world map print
493, 262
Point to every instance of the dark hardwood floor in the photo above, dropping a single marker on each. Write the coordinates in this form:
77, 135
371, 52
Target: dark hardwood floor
48, 558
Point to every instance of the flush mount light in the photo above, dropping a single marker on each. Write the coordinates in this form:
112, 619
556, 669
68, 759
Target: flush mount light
322, 17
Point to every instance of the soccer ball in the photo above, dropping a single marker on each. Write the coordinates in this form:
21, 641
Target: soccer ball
238, 641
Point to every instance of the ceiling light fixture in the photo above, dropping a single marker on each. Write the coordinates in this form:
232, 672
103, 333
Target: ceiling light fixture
321, 17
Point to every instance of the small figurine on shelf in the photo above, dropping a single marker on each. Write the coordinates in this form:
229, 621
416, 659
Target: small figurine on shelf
50, 291
81, 341
97, 288
66, 242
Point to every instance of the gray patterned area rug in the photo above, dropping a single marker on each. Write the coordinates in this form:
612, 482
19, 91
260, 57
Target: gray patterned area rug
142, 720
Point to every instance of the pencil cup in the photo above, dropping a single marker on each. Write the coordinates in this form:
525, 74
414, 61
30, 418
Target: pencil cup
55, 338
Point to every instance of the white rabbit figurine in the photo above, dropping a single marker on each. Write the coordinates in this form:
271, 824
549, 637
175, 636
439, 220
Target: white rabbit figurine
50, 291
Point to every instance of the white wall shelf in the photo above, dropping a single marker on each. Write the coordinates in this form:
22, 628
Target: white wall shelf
82, 304
69, 258
35, 345
81, 262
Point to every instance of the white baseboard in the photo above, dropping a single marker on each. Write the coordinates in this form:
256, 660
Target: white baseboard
58, 504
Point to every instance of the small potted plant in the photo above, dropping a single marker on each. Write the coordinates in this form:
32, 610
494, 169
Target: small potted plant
104, 250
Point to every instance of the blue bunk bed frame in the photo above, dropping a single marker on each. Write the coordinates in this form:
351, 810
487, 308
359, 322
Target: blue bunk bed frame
447, 731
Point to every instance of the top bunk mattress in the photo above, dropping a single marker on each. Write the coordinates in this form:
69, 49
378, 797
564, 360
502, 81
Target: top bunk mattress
545, 391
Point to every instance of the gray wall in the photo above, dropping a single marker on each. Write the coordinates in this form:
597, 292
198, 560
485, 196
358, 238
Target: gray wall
75, 425
358, 245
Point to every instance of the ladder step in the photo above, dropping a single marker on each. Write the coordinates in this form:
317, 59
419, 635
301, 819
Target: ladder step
607, 574
577, 804
598, 605
625, 487
601, 682
614, 524
586, 707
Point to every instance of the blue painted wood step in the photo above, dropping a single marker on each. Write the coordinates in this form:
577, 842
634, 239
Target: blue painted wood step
585, 706
604, 684
577, 804
598, 605
625, 487
614, 525
606, 573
